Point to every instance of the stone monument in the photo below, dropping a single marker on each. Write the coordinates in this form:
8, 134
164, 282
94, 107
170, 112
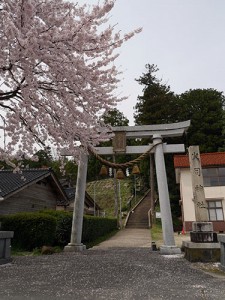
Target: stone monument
203, 245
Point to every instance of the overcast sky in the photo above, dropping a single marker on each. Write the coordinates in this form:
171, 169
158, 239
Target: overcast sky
184, 38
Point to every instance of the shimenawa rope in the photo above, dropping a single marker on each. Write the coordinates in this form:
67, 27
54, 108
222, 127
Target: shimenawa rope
123, 165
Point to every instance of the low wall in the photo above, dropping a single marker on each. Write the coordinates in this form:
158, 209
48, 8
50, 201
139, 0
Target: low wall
5, 246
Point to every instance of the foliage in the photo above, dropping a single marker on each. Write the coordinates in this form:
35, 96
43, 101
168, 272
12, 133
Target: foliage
115, 118
94, 167
57, 73
157, 105
95, 227
205, 109
52, 228
44, 159
69, 172
177, 224
31, 230
63, 226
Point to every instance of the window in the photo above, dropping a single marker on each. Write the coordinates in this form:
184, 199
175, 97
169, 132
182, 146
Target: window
214, 176
215, 210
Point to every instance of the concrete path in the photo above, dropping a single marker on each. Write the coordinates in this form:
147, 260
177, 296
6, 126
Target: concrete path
127, 238
136, 238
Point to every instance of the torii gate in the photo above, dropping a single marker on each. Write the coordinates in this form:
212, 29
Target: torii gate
156, 133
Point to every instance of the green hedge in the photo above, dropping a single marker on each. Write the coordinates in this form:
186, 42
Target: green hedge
63, 226
95, 227
31, 230
51, 227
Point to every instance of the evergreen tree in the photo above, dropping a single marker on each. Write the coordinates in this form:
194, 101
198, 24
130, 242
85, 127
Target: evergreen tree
205, 109
114, 118
158, 104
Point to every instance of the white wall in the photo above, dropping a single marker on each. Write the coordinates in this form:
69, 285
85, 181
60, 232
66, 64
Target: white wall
186, 193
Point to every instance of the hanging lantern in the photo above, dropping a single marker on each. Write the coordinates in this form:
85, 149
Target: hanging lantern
120, 174
103, 171
135, 170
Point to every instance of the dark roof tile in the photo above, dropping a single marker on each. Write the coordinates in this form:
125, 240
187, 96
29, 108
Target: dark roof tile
10, 182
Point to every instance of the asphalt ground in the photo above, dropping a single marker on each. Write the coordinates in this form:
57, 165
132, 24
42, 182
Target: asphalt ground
110, 272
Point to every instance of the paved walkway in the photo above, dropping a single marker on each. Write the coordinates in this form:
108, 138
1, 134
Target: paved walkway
109, 273
128, 238
140, 238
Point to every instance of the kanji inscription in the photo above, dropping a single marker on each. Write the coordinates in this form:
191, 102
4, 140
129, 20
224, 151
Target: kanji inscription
201, 211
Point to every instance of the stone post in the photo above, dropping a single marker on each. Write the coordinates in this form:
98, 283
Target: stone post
75, 244
202, 229
204, 245
5, 246
201, 212
169, 246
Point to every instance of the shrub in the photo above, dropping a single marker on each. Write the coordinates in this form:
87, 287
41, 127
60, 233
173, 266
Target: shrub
94, 227
31, 230
63, 229
177, 224
52, 228
63, 226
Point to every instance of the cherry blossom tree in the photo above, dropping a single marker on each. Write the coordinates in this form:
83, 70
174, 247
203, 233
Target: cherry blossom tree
57, 73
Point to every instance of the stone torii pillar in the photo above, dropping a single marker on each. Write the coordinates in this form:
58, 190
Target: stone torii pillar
169, 246
75, 244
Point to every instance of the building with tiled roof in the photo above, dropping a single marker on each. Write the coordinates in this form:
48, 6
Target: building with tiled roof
207, 159
30, 190
213, 170
37, 189
90, 207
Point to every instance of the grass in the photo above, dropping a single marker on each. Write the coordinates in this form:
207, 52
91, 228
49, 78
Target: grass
211, 268
104, 194
19, 252
156, 232
35, 252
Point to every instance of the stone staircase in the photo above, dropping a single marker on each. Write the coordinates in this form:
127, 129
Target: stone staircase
138, 218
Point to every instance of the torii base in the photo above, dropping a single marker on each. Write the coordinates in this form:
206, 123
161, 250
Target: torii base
74, 248
169, 250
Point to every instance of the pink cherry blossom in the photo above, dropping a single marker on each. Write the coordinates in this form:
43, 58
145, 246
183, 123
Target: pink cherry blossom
57, 68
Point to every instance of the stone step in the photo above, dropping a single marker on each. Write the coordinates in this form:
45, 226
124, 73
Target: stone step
139, 217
